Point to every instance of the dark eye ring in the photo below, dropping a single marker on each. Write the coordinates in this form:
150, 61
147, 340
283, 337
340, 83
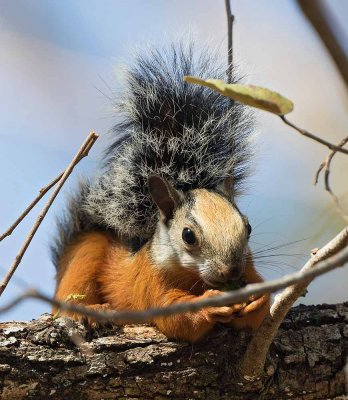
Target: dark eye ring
188, 236
249, 229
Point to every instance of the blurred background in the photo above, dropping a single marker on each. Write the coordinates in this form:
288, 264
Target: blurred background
59, 75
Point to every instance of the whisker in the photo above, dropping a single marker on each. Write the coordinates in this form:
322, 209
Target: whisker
258, 257
280, 246
199, 280
258, 224
280, 265
262, 233
102, 93
270, 269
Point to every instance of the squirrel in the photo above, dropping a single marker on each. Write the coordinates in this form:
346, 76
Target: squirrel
160, 225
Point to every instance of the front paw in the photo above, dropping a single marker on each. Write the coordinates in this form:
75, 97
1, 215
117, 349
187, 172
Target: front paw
252, 315
223, 314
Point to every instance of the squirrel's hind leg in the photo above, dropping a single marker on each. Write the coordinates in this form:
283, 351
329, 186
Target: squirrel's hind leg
78, 272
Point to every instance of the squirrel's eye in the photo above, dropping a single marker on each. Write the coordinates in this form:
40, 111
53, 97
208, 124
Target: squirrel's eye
188, 236
249, 229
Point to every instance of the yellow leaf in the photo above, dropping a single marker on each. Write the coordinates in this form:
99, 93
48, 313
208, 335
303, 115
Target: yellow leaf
254, 96
68, 298
75, 297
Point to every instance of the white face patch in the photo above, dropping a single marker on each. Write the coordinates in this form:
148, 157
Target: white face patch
161, 248
168, 249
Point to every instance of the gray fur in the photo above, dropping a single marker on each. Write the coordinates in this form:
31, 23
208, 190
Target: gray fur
190, 135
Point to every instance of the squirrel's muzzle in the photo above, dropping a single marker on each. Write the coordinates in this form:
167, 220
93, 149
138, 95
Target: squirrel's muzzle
219, 272
231, 271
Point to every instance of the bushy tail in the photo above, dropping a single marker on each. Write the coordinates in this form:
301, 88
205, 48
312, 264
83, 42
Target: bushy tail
188, 134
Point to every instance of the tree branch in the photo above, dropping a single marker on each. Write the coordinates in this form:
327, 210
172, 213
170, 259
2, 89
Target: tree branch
83, 151
42, 192
39, 361
326, 164
333, 253
329, 32
303, 132
230, 20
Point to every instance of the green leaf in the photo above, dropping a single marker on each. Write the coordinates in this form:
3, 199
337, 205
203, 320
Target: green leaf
254, 96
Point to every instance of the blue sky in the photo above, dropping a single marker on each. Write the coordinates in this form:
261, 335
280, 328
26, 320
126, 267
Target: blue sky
60, 71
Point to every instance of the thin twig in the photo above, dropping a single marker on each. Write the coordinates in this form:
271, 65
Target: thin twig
42, 192
298, 279
333, 36
303, 132
333, 253
230, 20
326, 164
83, 151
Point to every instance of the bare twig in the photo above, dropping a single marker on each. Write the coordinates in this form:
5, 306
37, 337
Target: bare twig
326, 164
83, 151
42, 192
333, 253
330, 32
299, 280
303, 132
230, 20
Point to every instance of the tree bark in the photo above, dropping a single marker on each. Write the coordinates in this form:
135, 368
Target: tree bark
41, 360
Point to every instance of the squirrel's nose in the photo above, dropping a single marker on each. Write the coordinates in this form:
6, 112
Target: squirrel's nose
234, 268
231, 273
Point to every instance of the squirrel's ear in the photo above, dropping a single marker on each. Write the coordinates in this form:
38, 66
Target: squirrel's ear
164, 195
227, 187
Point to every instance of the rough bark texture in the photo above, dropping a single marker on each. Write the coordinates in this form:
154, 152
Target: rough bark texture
38, 360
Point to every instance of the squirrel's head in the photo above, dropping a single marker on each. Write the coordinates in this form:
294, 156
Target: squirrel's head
201, 230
